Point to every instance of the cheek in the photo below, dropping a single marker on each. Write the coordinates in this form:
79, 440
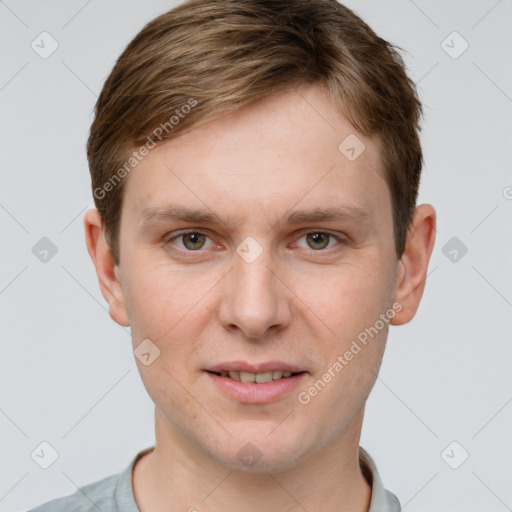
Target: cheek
356, 300
172, 309
350, 304
347, 300
162, 301
166, 309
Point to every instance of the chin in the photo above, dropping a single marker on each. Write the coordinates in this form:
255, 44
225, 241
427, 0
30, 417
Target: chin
261, 453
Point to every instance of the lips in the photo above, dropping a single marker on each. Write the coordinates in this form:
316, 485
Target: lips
254, 392
256, 383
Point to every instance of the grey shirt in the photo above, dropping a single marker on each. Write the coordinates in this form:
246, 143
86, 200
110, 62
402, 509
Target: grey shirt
115, 493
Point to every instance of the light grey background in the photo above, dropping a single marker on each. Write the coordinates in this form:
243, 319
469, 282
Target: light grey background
68, 375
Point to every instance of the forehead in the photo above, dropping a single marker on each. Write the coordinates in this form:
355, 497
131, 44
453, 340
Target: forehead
284, 154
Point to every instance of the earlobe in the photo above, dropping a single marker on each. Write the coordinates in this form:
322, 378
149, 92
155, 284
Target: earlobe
106, 269
413, 265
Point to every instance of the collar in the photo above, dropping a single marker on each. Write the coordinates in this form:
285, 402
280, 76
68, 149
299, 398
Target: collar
382, 500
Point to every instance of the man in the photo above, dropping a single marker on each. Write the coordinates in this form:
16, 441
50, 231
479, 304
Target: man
255, 167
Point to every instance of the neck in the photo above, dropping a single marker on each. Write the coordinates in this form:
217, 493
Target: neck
175, 476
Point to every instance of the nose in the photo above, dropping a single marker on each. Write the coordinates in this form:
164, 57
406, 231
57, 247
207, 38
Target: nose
255, 299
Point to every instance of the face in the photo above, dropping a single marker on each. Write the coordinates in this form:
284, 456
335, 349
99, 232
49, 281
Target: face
228, 265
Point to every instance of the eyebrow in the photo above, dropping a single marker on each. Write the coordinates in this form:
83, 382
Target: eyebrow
206, 216
333, 213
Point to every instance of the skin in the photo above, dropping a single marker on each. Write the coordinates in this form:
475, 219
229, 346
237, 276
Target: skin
303, 301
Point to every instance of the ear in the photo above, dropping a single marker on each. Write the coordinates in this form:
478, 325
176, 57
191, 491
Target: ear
413, 265
107, 271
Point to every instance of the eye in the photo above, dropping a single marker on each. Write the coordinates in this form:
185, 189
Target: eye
319, 240
192, 240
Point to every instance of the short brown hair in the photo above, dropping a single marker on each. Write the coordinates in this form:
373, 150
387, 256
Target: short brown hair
220, 55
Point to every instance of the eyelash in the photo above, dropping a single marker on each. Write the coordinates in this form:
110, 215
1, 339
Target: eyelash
340, 240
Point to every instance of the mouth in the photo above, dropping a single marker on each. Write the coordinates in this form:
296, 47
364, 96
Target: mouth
256, 383
258, 378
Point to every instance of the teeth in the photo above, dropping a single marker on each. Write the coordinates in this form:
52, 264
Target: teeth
260, 378
234, 375
247, 377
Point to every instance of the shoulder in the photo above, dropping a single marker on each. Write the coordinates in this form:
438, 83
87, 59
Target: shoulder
91, 497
